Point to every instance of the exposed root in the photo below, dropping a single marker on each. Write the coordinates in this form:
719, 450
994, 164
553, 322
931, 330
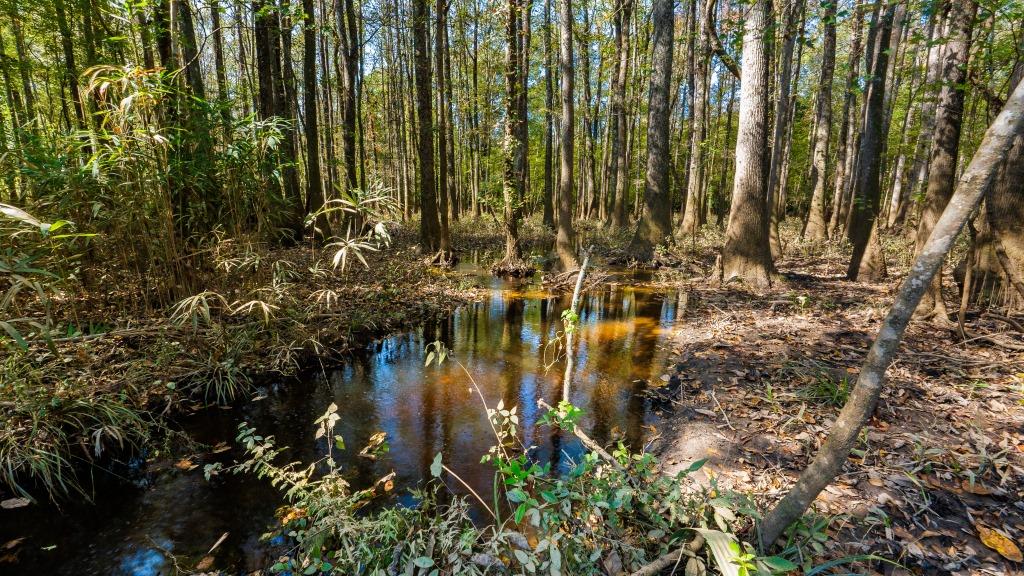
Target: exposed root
444, 259
566, 281
511, 267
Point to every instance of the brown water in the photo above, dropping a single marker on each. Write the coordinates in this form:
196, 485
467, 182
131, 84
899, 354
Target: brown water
133, 529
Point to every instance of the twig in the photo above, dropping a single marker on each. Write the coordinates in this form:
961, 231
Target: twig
671, 558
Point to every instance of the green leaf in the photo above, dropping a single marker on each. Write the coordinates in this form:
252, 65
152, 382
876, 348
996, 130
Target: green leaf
523, 557
724, 554
435, 467
339, 442
779, 564
696, 466
517, 495
13, 332
521, 511
423, 562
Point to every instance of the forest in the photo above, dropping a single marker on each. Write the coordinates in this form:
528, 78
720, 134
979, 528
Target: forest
434, 287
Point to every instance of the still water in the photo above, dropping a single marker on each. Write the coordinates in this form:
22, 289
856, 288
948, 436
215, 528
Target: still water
143, 528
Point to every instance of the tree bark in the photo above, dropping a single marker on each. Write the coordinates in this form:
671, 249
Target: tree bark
620, 158
564, 236
314, 186
693, 211
974, 183
430, 230
867, 262
514, 182
656, 220
817, 225
946, 140
547, 196
746, 254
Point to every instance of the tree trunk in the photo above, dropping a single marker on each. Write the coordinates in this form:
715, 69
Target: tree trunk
619, 158
946, 143
693, 210
746, 254
867, 262
514, 181
565, 238
70, 70
847, 133
974, 183
443, 157
656, 220
549, 103
314, 187
791, 15
817, 225
218, 63
430, 231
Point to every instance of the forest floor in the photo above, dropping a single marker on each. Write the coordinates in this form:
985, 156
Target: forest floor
936, 483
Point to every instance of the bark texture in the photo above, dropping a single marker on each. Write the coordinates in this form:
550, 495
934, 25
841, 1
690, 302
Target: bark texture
746, 254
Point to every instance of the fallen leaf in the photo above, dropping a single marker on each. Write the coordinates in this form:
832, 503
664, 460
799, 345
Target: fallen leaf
184, 464
12, 503
12, 543
1000, 543
205, 564
975, 488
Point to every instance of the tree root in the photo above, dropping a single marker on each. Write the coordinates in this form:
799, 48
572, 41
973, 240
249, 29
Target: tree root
511, 267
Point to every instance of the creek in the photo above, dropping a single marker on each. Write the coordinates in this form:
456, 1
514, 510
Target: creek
172, 514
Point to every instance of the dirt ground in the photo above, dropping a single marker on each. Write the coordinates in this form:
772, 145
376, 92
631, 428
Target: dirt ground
935, 484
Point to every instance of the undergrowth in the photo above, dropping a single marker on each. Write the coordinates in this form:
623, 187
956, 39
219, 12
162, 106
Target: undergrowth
611, 513
48, 426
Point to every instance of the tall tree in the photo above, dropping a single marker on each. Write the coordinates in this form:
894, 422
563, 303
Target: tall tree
314, 186
547, 195
746, 254
946, 143
817, 224
430, 228
867, 261
514, 181
443, 158
618, 176
693, 211
564, 236
656, 220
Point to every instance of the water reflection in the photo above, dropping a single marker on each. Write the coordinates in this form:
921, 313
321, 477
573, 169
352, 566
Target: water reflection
503, 341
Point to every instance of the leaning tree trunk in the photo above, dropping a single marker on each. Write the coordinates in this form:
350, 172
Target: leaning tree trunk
656, 220
746, 254
564, 237
974, 183
817, 225
946, 142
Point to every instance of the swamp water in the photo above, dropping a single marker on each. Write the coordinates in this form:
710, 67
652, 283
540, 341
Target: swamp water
138, 529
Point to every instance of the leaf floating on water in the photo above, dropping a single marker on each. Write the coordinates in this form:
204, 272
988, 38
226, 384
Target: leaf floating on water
12, 503
1000, 543
219, 541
